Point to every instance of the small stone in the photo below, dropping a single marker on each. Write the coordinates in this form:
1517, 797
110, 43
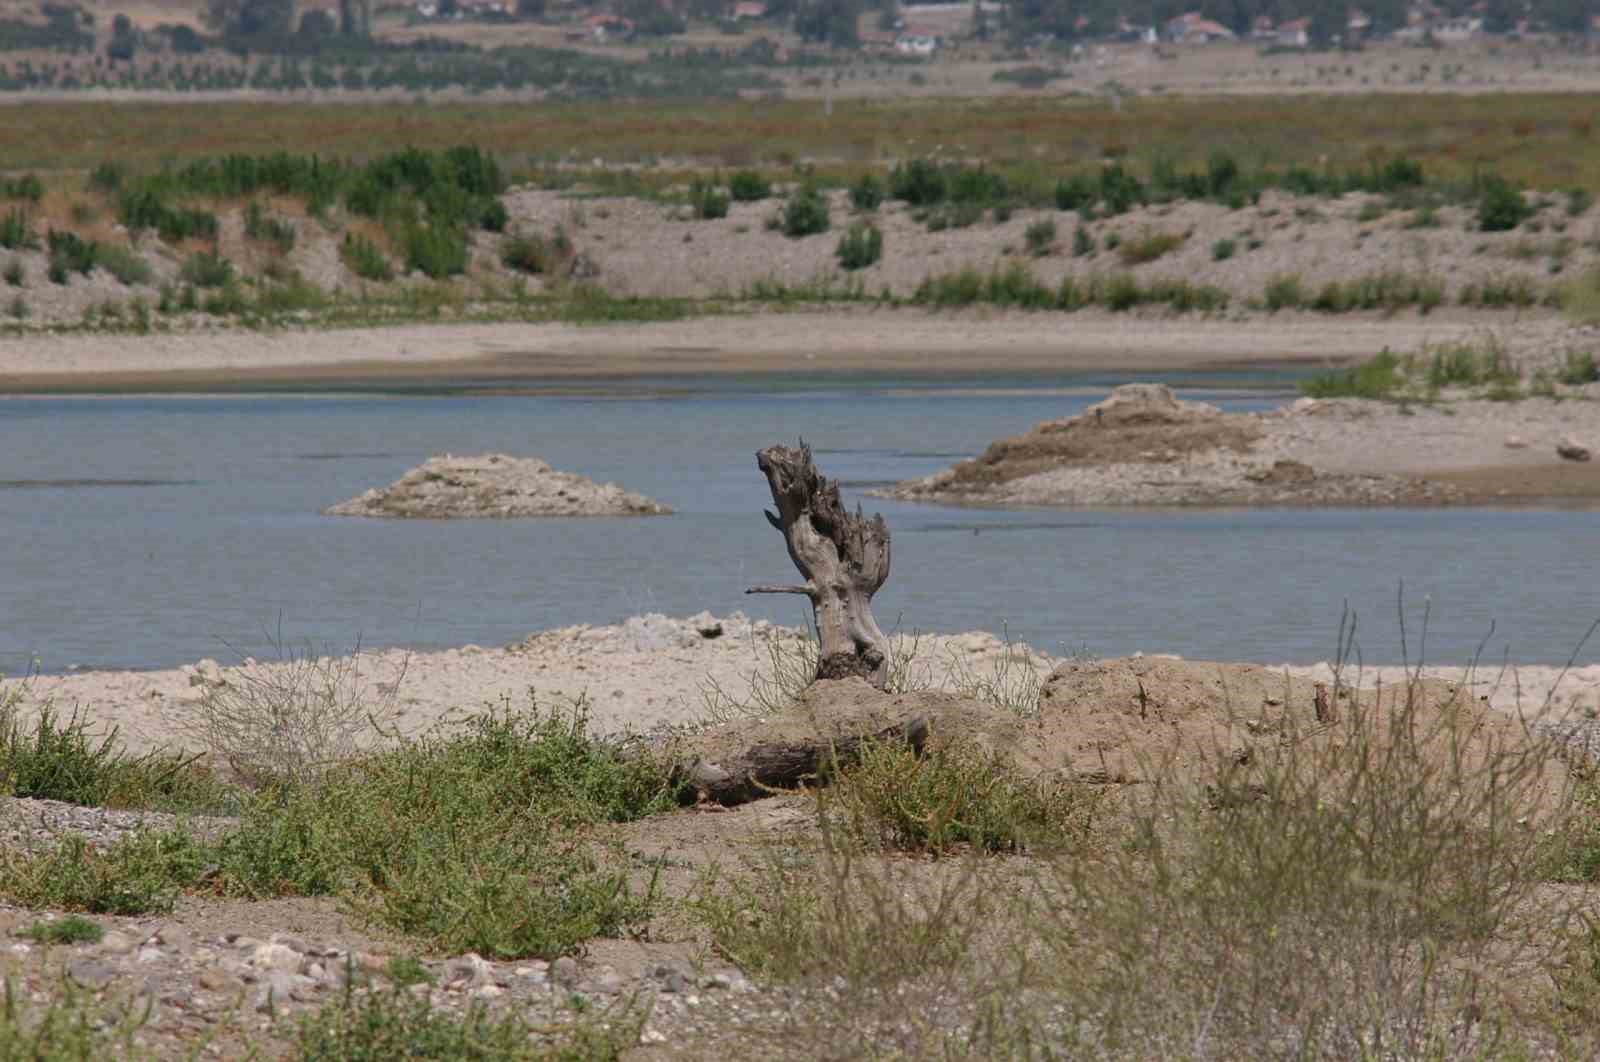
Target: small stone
564, 972
115, 943
1571, 449
87, 973
276, 991
648, 1035
1516, 442
489, 991
275, 957
672, 978
149, 955
215, 980
293, 943
608, 983
173, 936
468, 969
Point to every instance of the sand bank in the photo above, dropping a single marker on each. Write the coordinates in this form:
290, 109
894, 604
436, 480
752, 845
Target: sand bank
896, 341
653, 672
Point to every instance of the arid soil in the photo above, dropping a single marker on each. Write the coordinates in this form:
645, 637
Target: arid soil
494, 486
1142, 446
228, 970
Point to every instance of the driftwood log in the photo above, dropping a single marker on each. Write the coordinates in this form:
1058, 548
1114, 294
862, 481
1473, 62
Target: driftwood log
843, 556
768, 766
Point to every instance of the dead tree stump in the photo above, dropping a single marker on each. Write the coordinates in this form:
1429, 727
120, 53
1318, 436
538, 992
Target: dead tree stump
844, 558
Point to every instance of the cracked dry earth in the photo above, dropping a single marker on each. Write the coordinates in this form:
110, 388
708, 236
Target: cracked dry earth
230, 978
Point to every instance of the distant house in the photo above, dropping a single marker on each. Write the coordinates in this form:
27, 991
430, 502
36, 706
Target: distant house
750, 9
1262, 28
1464, 28
603, 27
428, 10
1356, 24
1296, 33
916, 42
1194, 28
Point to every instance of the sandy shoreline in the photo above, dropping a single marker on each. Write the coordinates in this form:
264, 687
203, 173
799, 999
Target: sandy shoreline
654, 672
899, 341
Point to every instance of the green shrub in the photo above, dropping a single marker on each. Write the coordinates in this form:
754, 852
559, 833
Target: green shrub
748, 186
464, 840
16, 275
860, 246
707, 200
55, 759
1040, 237
436, 251
364, 258
1222, 250
866, 194
259, 225
70, 254
28, 187
1075, 193
1500, 292
1579, 200
16, 231
1501, 206
1580, 368
73, 929
955, 796
534, 254
1378, 377
124, 263
805, 212
1149, 246
142, 873
206, 269
1082, 242
1284, 292
919, 182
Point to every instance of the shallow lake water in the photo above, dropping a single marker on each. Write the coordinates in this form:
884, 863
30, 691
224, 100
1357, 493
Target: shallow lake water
152, 531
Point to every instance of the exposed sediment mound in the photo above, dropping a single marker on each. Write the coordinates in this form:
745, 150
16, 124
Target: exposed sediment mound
495, 486
1137, 720
1144, 446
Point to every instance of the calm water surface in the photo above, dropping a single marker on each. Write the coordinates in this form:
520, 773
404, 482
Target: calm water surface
151, 531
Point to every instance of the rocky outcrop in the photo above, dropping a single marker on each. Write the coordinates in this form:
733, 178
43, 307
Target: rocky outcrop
495, 486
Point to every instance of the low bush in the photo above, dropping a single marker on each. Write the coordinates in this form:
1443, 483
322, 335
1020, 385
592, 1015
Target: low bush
1378, 377
259, 225
142, 873
1040, 237
124, 263
1389, 290
748, 186
805, 212
1284, 292
467, 841
1580, 368
1082, 242
364, 258
70, 253
859, 247
955, 796
50, 758
534, 254
866, 194
435, 250
1501, 206
73, 929
1222, 250
707, 200
16, 231
1149, 246
1500, 292
206, 269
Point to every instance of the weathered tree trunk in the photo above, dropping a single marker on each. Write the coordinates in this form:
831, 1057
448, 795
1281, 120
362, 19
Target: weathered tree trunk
844, 558
754, 772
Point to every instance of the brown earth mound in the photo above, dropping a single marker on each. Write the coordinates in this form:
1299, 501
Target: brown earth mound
1133, 720
1139, 423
